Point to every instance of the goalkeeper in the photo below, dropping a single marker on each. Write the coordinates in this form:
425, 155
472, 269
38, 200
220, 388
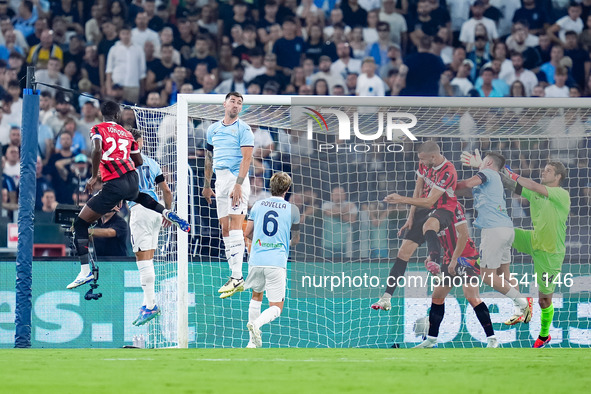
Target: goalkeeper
549, 208
460, 259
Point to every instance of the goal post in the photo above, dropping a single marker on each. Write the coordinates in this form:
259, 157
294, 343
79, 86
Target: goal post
364, 145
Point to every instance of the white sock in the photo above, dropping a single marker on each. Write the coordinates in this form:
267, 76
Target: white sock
254, 311
147, 280
517, 298
236, 248
268, 315
85, 269
516, 308
387, 295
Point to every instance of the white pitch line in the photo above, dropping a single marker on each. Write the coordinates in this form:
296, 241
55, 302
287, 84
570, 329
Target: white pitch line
128, 359
281, 360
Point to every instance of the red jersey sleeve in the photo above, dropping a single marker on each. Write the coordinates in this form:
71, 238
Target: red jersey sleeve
447, 178
135, 147
421, 171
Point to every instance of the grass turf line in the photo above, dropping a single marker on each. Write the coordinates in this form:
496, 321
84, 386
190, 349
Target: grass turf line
294, 370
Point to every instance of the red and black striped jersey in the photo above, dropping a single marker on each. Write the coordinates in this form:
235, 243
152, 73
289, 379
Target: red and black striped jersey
448, 238
444, 178
118, 145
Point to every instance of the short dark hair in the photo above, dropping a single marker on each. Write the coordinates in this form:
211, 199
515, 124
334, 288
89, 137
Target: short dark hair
235, 94
137, 133
497, 158
429, 147
559, 169
110, 110
571, 33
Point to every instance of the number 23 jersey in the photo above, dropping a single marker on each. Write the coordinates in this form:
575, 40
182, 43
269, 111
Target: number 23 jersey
118, 145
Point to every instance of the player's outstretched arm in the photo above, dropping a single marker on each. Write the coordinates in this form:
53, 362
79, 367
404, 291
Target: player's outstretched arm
509, 183
422, 202
469, 183
527, 183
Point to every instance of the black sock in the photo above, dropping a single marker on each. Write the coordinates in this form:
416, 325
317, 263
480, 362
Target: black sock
397, 270
147, 201
433, 246
483, 316
542, 338
435, 318
81, 239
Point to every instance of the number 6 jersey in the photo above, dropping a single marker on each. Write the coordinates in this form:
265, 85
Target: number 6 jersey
273, 219
118, 145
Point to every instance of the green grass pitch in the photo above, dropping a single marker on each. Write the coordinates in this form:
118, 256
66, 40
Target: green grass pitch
295, 370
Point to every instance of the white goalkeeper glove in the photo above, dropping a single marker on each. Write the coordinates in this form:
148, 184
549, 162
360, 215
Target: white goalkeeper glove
471, 160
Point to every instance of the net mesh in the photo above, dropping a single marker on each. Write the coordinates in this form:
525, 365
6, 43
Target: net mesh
339, 267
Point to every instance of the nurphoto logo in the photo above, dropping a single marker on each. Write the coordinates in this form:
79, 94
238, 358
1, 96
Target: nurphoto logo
394, 129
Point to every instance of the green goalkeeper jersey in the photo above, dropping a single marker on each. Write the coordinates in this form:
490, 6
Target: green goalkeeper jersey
549, 215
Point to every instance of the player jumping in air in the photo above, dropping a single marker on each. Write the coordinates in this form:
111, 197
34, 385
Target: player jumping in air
460, 259
549, 208
144, 225
230, 143
497, 230
117, 154
273, 225
433, 204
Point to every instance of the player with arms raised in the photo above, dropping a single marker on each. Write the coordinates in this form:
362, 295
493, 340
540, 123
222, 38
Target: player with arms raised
144, 225
549, 208
433, 204
497, 230
117, 154
230, 143
460, 259
273, 225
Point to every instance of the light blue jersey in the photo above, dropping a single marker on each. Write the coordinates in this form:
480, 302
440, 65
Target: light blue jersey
227, 141
273, 219
489, 201
150, 175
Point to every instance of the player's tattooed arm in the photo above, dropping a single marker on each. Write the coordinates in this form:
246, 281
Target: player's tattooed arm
510, 184
208, 168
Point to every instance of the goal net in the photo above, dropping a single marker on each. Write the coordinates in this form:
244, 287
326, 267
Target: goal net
345, 154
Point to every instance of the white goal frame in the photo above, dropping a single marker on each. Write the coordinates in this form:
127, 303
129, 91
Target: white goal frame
184, 100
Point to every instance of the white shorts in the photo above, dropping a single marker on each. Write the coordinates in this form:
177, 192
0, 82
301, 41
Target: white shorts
224, 184
495, 246
272, 280
144, 226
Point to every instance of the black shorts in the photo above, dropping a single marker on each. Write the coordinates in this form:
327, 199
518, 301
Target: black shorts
415, 233
126, 187
467, 267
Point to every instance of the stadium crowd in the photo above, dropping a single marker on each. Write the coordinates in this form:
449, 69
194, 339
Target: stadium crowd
145, 52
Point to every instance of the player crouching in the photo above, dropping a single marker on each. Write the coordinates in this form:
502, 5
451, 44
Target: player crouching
460, 260
273, 224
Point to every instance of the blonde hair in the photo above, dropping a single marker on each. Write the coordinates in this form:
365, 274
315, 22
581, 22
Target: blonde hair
280, 183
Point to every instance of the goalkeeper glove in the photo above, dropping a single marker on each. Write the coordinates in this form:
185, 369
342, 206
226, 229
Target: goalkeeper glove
471, 160
510, 173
